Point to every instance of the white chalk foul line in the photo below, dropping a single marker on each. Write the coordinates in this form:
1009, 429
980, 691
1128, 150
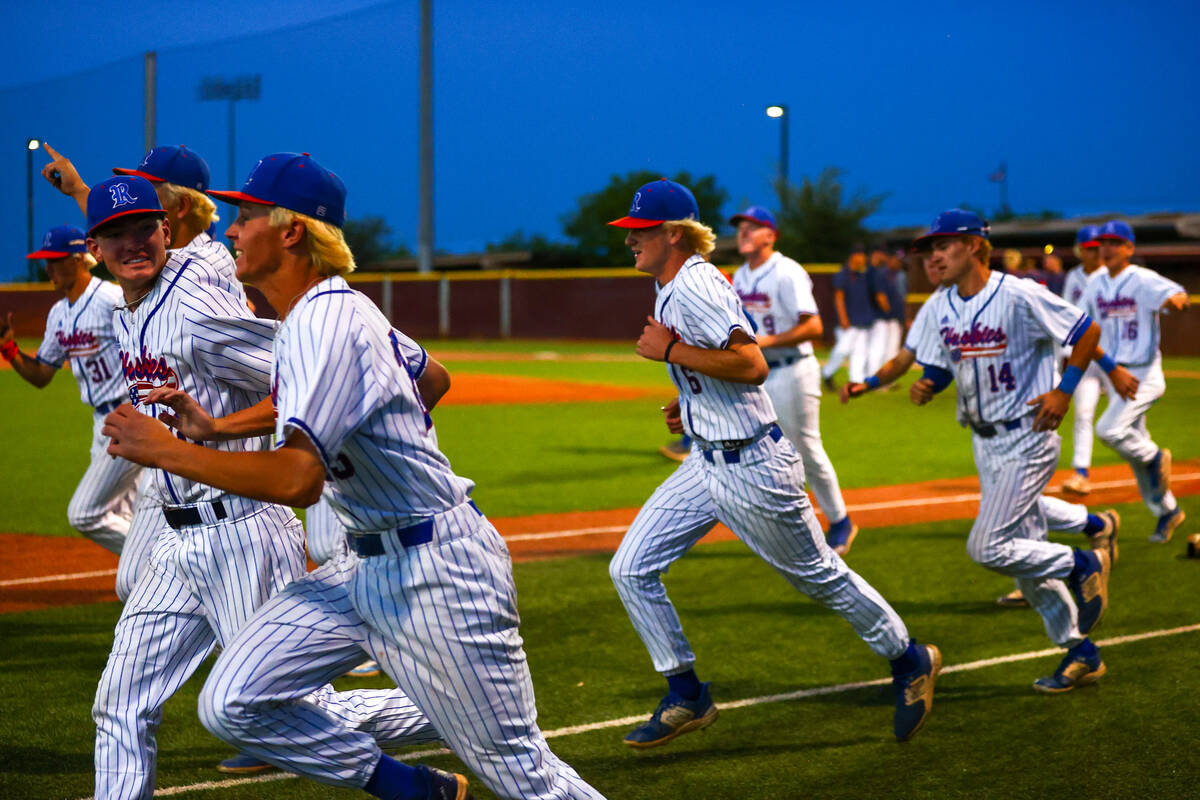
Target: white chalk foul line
800, 694
71, 576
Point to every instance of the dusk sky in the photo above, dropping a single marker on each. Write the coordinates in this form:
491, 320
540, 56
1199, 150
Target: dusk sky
1092, 105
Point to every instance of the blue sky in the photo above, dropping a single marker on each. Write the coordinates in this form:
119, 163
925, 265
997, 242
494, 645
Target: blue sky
1091, 104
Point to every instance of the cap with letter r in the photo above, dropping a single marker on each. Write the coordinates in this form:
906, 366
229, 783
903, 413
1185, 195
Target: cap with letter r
657, 202
1088, 236
955, 222
60, 242
172, 164
756, 214
1117, 229
294, 181
120, 196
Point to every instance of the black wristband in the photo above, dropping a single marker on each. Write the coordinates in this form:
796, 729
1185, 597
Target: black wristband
667, 352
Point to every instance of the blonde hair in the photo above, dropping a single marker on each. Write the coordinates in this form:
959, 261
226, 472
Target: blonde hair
88, 260
699, 237
202, 212
326, 243
985, 250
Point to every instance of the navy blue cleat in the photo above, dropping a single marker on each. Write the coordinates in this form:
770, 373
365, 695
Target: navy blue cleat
1090, 588
914, 692
674, 716
1076, 669
1166, 526
841, 535
244, 765
445, 785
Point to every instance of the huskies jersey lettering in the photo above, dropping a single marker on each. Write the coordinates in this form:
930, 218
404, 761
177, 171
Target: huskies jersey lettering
701, 309
775, 296
1127, 308
83, 333
194, 332
999, 344
346, 380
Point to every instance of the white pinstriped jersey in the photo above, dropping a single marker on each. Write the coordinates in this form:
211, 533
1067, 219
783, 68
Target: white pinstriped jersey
206, 248
1127, 308
83, 332
999, 343
701, 309
775, 295
1074, 284
920, 323
194, 332
341, 376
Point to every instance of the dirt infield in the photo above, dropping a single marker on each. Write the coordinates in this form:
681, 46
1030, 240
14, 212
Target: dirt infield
468, 388
47, 571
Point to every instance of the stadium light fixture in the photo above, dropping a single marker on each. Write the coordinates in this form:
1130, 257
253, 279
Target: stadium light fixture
30, 146
780, 112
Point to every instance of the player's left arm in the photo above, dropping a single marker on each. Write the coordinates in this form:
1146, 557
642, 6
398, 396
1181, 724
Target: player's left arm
291, 475
433, 383
187, 417
1176, 302
28, 367
741, 360
807, 329
1052, 406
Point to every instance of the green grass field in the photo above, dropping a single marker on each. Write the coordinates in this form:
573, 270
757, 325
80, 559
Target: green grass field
991, 736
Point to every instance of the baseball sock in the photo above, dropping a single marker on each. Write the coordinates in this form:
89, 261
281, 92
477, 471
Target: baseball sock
685, 684
1082, 564
1085, 648
908, 661
395, 781
1094, 524
1082, 471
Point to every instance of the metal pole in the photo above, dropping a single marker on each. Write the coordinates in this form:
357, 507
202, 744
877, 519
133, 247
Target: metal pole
151, 94
505, 307
29, 210
385, 297
444, 307
783, 147
425, 147
232, 141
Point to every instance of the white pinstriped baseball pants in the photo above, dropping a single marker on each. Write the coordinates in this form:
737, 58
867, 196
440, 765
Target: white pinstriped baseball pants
324, 533
147, 522
1123, 428
762, 500
795, 391
1010, 532
102, 504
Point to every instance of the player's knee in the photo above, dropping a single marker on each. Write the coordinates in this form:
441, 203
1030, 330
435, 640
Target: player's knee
627, 575
83, 517
985, 553
221, 711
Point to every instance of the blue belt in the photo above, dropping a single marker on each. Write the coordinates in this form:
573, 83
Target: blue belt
783, 362
111, 405
731, 449
988, 431
371, 544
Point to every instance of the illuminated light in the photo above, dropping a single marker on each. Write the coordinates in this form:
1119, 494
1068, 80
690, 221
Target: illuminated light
33, 144
1048, 249
775, 111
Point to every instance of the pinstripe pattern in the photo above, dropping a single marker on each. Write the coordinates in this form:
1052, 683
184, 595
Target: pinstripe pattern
201, 586
102, 505
775, 295
147, 521
1063, 516
1123, 428
324, 534
761, 499
440, 617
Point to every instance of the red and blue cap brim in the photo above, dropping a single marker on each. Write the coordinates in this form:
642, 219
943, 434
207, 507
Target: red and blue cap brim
294, 181
171, 164
636, 222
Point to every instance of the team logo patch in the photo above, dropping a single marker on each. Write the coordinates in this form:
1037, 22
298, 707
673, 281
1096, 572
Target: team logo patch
956, 355
120, 195
78, 343
1117, 307
979, 341
146, 373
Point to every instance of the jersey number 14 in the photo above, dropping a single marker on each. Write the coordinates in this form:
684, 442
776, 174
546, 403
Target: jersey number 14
1002, 378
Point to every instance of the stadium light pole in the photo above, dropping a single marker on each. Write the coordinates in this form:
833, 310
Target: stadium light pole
30, 146
244, 87
780, 112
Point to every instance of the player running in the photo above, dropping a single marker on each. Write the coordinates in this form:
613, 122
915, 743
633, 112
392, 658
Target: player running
79, 330
777, 295
745, 473
1127, 300
994, 335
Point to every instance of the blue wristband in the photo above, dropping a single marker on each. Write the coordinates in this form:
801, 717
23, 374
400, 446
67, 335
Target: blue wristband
1070, 379
940, 378
1106, 363
872, 382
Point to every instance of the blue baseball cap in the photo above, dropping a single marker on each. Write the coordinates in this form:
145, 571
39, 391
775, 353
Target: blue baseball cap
296, 182
955, 222
60, 241
1116, 229
1088, 236
657, 202
172, 164
119, 197
757, 215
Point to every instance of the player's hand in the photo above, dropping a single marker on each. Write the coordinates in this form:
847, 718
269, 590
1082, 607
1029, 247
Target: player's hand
921, 392
188, 418
135, 436
1051, 408
62, 174
7, 332
1124, 382
672, 416
851, 389
652, 344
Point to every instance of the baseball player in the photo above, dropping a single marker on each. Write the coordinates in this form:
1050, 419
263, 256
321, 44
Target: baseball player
856, 301
79, 330
742, 471
1087, 249
218, 556
430, 594
886, 305
994, 335
1102, 529
1126, 300
777, 295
